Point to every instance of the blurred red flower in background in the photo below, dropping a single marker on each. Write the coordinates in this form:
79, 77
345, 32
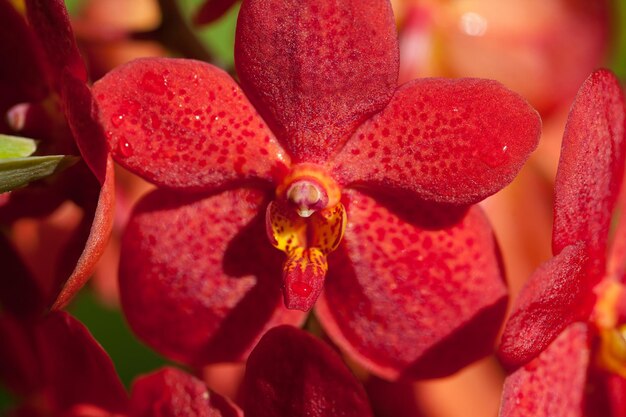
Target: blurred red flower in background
566, 328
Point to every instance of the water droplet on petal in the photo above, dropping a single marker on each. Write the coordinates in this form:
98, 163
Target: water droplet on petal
124, 148
301, 289
153, 83
117, 119
495, 156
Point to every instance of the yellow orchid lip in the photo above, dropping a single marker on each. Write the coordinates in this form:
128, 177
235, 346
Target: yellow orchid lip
307, 222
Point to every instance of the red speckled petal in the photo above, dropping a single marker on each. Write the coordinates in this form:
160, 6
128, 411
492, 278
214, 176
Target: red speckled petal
75, 367
407, 288
291, 373
316, 69
51, 23
171, 392
449, 141
95, 244
591, 166
185, 124
553, 384
556, 295
199, 281
212, 10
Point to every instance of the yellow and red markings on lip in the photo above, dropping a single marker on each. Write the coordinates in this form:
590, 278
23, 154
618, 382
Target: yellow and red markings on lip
307, 241
608, 318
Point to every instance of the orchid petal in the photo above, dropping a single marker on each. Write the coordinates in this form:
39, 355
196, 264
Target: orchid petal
59, 363
51, 23
75, 367
448, 141
185, 124
555, 296
171, 392
552, 384
591, 166
198, 279
100, 222
316, 69
291, 373
407, 287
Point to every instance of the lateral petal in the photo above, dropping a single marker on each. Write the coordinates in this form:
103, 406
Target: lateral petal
185, 124
291, 373
591, 166
408, 287
199, 281
448, 141
316, 69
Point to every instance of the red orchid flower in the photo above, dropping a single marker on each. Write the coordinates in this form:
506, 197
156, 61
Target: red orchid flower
58, 369
346, 173
566, 328
43, 90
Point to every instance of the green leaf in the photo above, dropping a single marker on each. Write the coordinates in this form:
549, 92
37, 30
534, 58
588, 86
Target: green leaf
18, 172
16, 147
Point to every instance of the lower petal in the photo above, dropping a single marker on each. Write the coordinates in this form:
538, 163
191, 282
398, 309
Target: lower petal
199, 281
409, 294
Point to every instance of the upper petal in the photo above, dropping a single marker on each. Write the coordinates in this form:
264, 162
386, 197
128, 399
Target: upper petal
591, 166
555, 296
449, 141
185, 124
316, 69
553, 384
409, 287
199, 281
291, 373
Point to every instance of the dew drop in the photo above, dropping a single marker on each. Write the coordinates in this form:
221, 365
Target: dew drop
153, 83
117, 119
301, 289
124, 148
496, 156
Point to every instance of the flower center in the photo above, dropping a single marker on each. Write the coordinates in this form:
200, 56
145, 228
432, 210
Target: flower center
307, 222
609, 316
